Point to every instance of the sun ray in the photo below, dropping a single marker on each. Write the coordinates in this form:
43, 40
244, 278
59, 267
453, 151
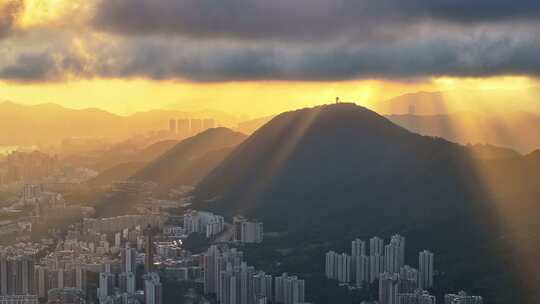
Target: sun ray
496, 175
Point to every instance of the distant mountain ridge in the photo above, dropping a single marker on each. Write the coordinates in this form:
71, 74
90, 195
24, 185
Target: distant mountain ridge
434, 114
448, 102
46, 124
515, 130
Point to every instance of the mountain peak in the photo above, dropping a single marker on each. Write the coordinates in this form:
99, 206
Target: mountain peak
328, 145
217, 131
332, 120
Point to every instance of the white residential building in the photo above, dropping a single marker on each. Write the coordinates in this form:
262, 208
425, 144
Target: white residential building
358, 247
338, 267
361, 269
388, 288
289, 290
247, 231
376, 267
152, 289
376, 246
425, 262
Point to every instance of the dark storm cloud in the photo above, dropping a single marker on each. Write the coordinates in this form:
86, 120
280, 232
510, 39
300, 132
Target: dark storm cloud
299, 19
484, 57
325, 39
161, 59
205, 65
47, 66
9, 12
312, 40
30, 67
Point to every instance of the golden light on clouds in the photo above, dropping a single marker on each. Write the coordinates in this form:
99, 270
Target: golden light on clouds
492, 83
40, 13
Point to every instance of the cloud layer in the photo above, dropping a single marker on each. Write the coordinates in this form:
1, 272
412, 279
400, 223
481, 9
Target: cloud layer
9, 13
214, 40
299, 19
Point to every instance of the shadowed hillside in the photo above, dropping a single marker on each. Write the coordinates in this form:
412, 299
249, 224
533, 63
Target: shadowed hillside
188, 161
116, 173
184, 164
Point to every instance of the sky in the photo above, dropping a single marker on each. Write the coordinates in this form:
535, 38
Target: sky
259, 57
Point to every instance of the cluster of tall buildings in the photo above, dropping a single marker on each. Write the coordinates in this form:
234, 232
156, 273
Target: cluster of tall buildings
117, 278
187, 127
51, 205
361, 267
419, 296
36, 166
128, 267
121, 288
119, 223
247, 231
22, 281
67, 295
40, 204
398, 282
64, 274
399, 288
94, 244
27, 167
99, 262
153, 290
67, 269
17, 274
19, 299
203, 222
87, 265
227, 276
31, 192
385, 263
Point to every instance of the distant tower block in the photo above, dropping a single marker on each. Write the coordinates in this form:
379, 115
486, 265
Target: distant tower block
209, 123
172, 126
149, 247
196, 126
182, 127
412, 109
